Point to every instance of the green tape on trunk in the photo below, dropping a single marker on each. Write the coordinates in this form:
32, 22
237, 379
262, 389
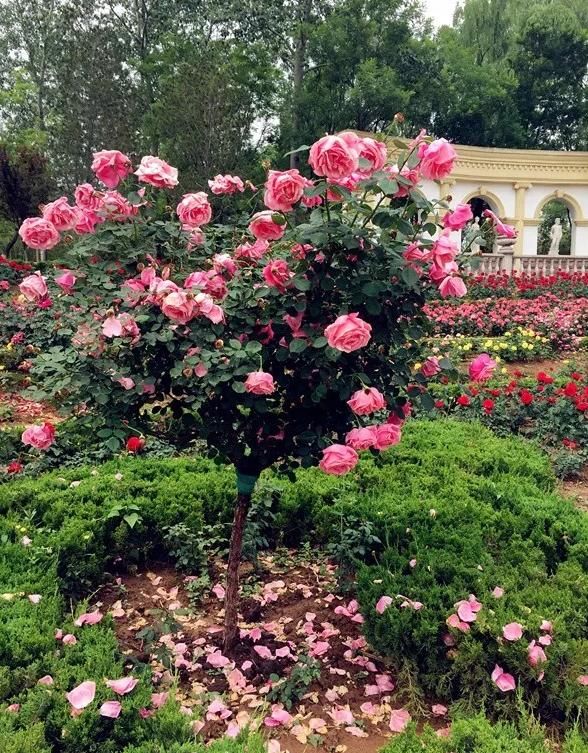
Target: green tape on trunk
245, 483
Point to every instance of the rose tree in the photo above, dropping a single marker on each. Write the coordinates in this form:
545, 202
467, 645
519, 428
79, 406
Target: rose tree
287, 338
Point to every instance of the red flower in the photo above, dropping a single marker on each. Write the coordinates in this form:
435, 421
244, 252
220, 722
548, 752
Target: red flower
526, 397
575, 375
488, 406
439, 404
463, 400
14, 467
494, 392
570, 444
571, 389
582, 405
135, 444
544, 378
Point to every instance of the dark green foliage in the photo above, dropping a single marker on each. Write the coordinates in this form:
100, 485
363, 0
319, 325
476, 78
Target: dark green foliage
477, 735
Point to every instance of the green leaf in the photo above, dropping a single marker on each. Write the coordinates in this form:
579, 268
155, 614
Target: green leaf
320, 342
301, 283
410, 276
238, 387
132, 519
298, 345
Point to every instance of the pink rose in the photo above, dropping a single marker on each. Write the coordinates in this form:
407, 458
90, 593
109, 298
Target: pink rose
430, 367
226, 184
437, 159
40, 437
205, 306
283, 190
178, 307
87, 197
409, 179
224, 264
117, 208
37, 232
348, 333
195, 239
110, 167
452, 286
506, 231
87, 222
332, 157
194, 210
375, 152
481, 368
61, 214
157, 173
444, 250
34, 287
277, 274
387, 435
66, 280
263, 226
362, 438
366, 401
252, 251
260, 383
459, 218
338, 459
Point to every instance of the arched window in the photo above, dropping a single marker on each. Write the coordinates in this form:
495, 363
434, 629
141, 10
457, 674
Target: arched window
556, 229
479, 205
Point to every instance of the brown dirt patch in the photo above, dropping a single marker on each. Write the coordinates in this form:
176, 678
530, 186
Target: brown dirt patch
290, 604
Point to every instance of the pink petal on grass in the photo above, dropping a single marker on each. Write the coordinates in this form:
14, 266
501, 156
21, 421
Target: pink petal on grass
123, 686
498, 592
513, 631
399, 719
465, 612
546, 626
159, 699
82, 695
438, 709
384, 683
383, 603
34, 598
69, 640
110, 709
503, 680
583, 680
46, 680
89, 618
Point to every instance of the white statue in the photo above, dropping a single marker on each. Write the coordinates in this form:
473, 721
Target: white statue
475, 248
555, 235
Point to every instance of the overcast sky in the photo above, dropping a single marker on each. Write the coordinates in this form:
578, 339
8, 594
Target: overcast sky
441, 11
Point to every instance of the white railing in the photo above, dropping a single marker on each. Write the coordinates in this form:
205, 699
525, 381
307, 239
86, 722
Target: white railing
541, 265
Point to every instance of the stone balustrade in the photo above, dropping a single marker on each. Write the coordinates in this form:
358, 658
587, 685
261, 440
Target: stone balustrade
540, 265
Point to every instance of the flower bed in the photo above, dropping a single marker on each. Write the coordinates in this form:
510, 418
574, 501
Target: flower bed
565, 322
518, 344
522, 285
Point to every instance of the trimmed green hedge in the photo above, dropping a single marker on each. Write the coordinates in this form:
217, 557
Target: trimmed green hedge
477, 735
475, 512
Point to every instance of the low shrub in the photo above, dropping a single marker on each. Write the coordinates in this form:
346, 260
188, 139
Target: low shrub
477, 735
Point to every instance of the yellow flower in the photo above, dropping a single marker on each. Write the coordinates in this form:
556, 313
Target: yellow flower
504, 370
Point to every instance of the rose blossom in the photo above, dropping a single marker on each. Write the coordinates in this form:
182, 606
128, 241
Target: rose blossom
437, 159
444, 250
481, 368
263, 227
34, 287
87, 222
157, 173
332, 157
195, 239
224, 264
117, 207
260, 383
40, 437
277, 274
39, 233
375, 152
362, 438
459, 218
61, 214
283, 190
430, 367
66, 280
338, 459
366, 401
409, 175
226, 184
194, 210
252, 251
87, 197
506, 231
387, 435
453, 287
110, 167
348, 333
178, 307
